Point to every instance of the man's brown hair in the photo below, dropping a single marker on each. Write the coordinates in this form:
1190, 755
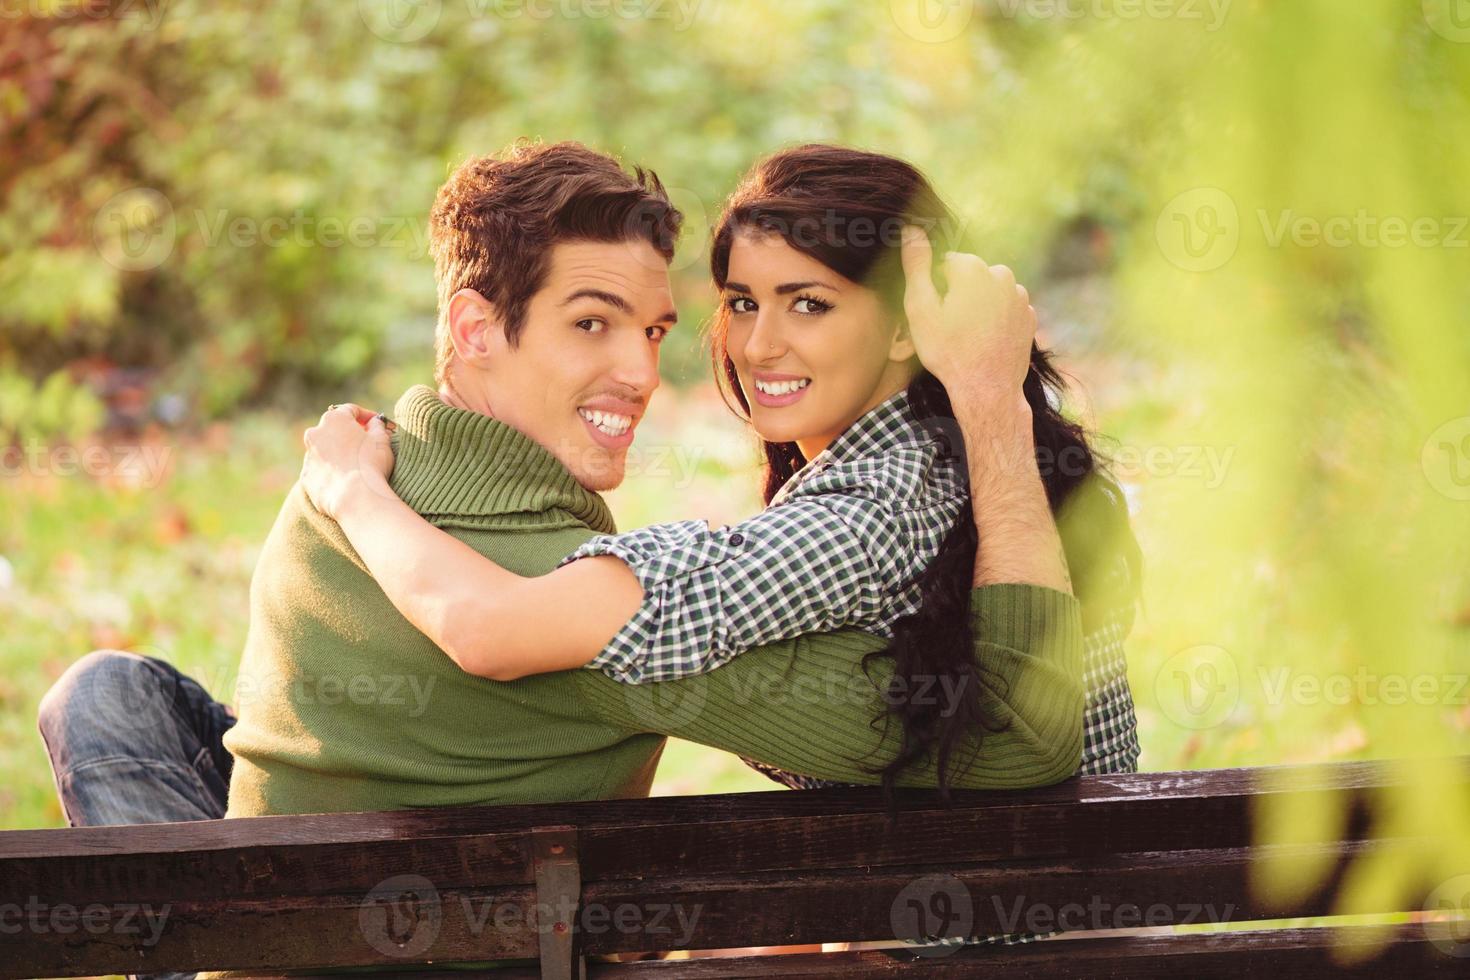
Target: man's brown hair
497, 218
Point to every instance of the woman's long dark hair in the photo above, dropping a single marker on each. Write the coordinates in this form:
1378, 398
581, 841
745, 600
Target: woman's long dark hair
846, 209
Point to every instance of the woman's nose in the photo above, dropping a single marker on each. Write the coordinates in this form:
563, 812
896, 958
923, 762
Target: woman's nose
765, 342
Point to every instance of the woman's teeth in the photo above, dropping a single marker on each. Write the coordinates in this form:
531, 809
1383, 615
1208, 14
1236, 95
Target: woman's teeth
607, 422
781, 387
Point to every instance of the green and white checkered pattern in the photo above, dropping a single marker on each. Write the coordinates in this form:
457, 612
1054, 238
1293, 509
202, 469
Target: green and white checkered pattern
841, 545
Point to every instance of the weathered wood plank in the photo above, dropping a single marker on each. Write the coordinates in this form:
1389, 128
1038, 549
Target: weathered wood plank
1309, 953
770, 908
253, 858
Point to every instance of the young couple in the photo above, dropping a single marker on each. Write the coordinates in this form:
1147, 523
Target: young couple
921, 603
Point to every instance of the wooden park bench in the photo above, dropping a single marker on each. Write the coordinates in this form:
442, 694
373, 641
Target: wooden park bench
561, 884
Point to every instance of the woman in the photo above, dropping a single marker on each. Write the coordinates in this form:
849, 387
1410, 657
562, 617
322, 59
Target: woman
867, 519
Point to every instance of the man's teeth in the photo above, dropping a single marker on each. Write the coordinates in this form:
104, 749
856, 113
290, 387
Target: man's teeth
782, 387
613, 425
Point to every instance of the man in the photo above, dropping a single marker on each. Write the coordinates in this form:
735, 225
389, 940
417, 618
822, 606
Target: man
552, 274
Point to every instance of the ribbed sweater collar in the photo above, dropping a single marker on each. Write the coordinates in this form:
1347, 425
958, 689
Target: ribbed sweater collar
465, 469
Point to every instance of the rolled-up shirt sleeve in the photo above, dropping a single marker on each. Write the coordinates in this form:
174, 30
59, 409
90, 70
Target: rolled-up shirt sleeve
808, 565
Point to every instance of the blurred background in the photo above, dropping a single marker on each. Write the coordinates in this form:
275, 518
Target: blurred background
1244, 224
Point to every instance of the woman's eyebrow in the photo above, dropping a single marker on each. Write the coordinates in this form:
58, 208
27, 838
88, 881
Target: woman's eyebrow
784, 288
793, 287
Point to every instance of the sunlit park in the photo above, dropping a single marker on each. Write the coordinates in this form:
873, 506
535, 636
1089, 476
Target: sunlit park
1244, 227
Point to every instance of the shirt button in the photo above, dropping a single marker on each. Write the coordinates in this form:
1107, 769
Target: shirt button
737, 538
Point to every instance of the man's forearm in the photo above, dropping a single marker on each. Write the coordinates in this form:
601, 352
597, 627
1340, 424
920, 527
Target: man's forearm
1018, 535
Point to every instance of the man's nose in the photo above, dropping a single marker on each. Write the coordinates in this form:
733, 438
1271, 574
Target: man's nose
636, 367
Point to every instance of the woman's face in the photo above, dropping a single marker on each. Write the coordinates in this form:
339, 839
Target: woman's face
814, 351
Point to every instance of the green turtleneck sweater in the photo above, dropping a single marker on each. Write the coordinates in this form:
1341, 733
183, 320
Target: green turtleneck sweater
343, 705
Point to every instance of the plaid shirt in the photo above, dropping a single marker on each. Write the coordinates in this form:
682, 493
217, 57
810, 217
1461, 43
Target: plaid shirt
841, 545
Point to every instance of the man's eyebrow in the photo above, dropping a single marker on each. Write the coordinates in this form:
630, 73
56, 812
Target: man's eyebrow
616, 302
611, 299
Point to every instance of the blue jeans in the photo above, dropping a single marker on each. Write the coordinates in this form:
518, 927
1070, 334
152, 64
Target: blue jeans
132, 740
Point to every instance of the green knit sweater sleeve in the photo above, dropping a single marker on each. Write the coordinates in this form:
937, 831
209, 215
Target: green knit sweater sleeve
805, 705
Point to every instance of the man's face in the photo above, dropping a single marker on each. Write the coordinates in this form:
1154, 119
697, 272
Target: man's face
580, 378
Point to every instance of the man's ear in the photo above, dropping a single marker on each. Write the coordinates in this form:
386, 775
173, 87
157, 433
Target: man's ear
475, 328
902, 348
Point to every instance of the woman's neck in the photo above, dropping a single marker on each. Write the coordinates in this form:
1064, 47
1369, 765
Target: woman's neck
893, 382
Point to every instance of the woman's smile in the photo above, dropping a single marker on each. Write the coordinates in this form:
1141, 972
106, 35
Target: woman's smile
778, 390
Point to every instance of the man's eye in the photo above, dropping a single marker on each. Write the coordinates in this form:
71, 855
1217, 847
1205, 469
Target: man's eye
591, 325
741, 304
662, 332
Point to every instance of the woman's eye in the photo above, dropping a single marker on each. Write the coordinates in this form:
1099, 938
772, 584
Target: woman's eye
591, 325
810, 305
660, 334
741, 304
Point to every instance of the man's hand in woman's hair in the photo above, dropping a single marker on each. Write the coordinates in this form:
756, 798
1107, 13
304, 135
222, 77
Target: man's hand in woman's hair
976, 338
